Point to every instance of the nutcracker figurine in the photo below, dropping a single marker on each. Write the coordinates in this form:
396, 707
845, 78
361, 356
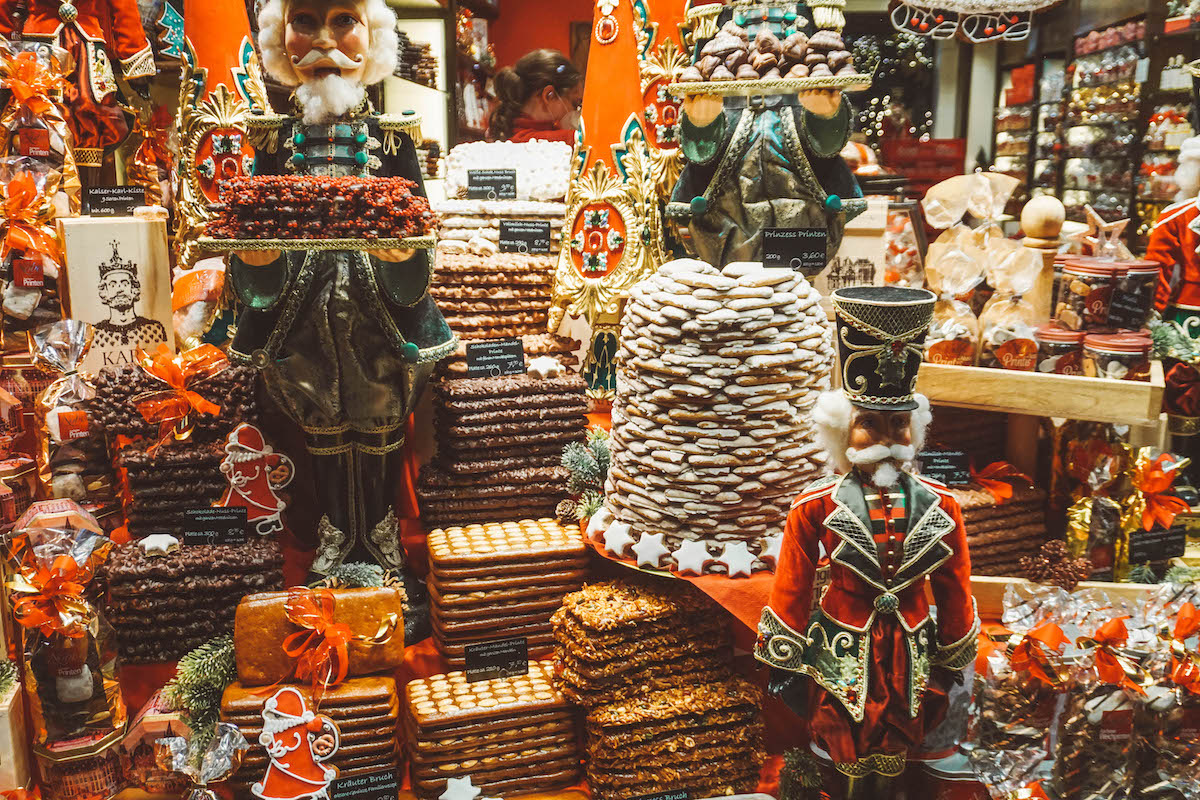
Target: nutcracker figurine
346, 339
869, 668
95, 32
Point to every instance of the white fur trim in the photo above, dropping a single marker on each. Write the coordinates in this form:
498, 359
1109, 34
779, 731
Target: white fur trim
381, 56
922, 416
1187, 174
832, 414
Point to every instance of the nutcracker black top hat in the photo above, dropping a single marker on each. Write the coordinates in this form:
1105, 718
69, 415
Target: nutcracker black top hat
880, 337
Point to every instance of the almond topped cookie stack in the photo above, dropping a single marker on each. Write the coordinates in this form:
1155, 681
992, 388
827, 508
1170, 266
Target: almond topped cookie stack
501, 580
506, 734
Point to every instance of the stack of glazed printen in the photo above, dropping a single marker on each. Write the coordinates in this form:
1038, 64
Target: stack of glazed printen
618, 640
162, 606
501, 580
500, 444
999, 534
366, 711
507, 734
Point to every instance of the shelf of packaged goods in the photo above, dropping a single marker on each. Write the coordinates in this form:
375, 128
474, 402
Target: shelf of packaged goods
1043, 395
989, 592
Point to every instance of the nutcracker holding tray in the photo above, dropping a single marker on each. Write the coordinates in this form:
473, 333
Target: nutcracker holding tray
331, 266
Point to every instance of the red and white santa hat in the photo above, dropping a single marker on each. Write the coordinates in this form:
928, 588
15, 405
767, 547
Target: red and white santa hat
285, 710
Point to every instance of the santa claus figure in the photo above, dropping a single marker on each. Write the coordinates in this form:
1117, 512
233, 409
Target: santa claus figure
346, 340
96, 33
298, 743
869, 669
255, 473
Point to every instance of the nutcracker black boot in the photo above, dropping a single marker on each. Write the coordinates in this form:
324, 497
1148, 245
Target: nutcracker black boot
332, 466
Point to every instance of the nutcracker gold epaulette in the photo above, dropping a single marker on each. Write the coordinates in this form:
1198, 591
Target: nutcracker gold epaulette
817, 488
390, 124
262, 130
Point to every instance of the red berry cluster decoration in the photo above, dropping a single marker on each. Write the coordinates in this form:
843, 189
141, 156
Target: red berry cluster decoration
1054, 565
313, 207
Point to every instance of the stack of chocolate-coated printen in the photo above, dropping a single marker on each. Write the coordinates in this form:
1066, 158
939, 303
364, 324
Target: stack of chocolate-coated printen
493, 295
365, 706
982, 435
500, 444
999, 534
162, 606
366, 711
507, 734
652, 663
501, 580
163, 485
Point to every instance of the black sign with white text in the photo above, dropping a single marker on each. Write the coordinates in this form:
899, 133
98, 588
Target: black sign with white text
502, 658
524, 236
382, 785
214, 525
951, 467
798, 249
495, 357
1159, 544
492, 184
113, 201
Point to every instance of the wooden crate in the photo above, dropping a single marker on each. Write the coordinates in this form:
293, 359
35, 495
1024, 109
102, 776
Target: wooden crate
1136, 403
989, 593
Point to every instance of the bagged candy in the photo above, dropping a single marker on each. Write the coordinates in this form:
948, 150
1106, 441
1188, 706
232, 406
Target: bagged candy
32, 125
1009, 319
1017, 693
70, 654
954, 269
71, 462
30, 255
1009, 774
1169, 714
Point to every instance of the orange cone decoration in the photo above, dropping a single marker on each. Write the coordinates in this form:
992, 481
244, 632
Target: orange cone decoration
623, 172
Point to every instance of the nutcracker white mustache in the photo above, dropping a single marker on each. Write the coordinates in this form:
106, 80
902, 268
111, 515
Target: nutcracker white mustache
887, 460
334, 56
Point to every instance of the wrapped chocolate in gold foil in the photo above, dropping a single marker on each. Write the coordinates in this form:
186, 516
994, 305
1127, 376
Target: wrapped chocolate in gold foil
151, 162
64, 435
33, 124
1095, 532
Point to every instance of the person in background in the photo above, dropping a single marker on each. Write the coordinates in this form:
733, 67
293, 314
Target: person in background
540, 97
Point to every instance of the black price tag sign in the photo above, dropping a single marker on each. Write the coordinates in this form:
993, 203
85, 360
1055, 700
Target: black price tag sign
798, 249
524, 236
951, 467
491, 359
1159, 544
382, 785
679, 794
501, 658
492, 184
214, 525
113, 201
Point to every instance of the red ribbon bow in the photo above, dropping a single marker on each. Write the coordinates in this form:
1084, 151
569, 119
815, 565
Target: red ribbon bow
1111, 667
1185, 672
321, 648
1182, 394
30, 82
1031, 653
24, 207
50, 599
996, 477
172, 408
1153, 481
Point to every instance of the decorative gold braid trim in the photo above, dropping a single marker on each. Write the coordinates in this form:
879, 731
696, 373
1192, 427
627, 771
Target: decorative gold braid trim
89, 157
140, 64
210, 244
883, 401
889, 764
330, 430
760, 88
957, 655
400, 122
778, 644
336, 450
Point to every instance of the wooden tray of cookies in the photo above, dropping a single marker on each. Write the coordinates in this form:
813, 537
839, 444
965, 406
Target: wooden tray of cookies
762, 88
210, 244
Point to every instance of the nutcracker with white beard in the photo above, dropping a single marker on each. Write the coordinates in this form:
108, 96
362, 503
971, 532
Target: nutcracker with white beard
870, 668
346, 340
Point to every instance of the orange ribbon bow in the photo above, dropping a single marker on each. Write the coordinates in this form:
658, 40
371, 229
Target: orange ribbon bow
1111, 667
322, 646
996, 477
25, 231
50, 599
1153, 479
1031, 652
1185, 672
172, 408
31, 83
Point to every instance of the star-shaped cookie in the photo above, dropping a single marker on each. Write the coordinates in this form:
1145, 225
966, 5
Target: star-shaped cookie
737, 558
159, 544
650, 550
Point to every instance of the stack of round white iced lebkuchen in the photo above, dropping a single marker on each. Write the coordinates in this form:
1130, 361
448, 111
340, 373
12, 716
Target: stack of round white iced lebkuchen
711, 431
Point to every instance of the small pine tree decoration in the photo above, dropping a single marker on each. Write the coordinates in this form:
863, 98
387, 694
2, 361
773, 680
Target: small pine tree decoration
588, 463
200, 679
1142, 573
356, 575
8, 676
1182, 574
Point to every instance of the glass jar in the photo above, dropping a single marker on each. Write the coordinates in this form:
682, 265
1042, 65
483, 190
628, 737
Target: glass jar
1133, 300
1118, 356
1085, 293
1060, 351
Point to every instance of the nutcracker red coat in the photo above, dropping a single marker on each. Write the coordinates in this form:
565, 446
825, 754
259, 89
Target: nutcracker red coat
871, 703
95, 32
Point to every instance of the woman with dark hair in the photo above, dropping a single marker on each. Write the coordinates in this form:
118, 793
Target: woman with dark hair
540, 97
